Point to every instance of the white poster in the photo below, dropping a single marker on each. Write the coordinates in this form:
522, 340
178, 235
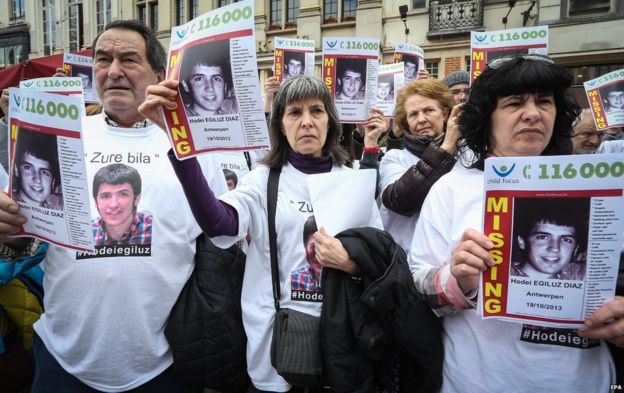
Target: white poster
48, 173
219, 101
389, 82
412, 56
606, 99
557, 224
82, 67
293, 57
491, 45
350, 72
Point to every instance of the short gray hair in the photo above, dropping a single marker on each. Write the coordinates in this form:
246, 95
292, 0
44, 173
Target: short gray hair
299, 89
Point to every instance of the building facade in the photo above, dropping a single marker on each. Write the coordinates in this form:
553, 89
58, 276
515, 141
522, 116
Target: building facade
585, 35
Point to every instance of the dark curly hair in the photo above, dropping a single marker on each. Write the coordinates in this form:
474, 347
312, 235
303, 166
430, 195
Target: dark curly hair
517, 76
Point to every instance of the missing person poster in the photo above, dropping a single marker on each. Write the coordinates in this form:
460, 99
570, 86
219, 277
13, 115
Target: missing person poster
389, 82
606, 99
219, 101
48, 173
413, 57
66, 86
293, 57
485, 47
557, 229
350, 73
81, 67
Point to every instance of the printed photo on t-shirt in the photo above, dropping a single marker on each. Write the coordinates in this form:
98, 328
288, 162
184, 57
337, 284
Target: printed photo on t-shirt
305, 282
120, 229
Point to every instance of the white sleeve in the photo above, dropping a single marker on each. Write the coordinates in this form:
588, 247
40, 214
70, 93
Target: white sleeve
391, 168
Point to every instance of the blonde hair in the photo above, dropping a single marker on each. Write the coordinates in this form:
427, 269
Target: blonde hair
430, 88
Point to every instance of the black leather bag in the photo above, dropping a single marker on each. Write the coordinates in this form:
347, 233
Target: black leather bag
296, 343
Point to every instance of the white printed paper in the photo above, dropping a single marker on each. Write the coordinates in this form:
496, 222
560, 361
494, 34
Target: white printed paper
413, 57
490, 45
82, 67
219, 101
606, 99
350, 73
336, 206
389, 82
48, 172
293, 57
557, 224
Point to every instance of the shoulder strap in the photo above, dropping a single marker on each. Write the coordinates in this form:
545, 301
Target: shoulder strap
272, 185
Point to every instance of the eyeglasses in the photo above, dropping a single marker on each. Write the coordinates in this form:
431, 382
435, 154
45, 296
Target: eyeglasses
496, 63
457, 92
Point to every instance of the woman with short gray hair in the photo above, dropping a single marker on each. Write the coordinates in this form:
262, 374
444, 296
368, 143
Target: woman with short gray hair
304, 132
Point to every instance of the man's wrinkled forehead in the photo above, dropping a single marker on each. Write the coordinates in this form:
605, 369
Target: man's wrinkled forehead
122, 41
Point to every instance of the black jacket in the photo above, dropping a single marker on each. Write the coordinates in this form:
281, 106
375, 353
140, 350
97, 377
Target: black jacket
378, 319
205, 328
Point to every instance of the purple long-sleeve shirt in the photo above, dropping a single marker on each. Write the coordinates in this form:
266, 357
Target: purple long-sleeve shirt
215, 217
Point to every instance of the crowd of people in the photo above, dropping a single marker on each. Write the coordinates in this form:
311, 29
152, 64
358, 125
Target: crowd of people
105, 314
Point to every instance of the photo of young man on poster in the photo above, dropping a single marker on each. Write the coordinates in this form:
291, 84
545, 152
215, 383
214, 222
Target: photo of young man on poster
294, 64
550, 238
350, 79
385, 88
36, 172
206, 80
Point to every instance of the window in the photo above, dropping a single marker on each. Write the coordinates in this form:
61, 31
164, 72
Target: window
186, 10
348, 9
76, 30
147, 12
582, 74
468, 63
292, 13
153, 16
582, 7
225, 2
18, 10
418, 4
103, 13
432, 68
276, 14
345, 8
49, 27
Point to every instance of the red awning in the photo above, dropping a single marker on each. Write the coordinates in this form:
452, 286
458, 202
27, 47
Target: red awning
34, 68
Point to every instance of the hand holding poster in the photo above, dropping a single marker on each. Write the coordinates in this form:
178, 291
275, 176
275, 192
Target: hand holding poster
491, 45
413, 57
350, 73
293, 58
81, 67
606, 99
389, 82
219, 102
48, 177
557, 228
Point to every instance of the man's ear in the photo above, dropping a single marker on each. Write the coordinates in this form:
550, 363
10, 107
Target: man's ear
521, 243
137, 199
161, 76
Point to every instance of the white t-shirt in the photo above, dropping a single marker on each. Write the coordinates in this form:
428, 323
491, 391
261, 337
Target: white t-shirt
236, 161
105, 316
491, 355
393, 165
611, 147
293, 209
